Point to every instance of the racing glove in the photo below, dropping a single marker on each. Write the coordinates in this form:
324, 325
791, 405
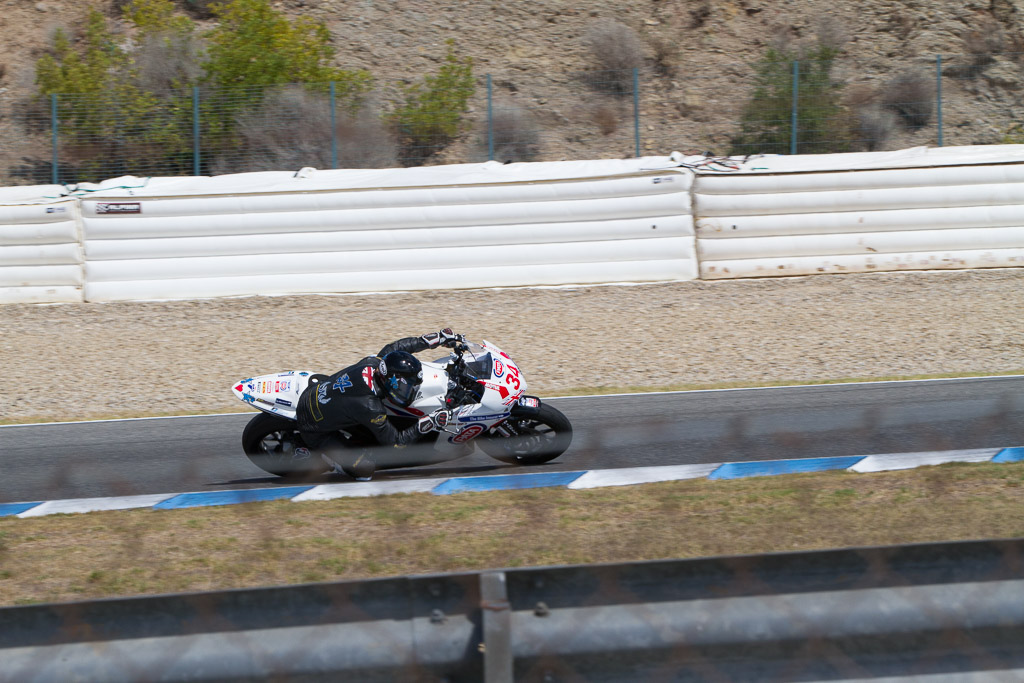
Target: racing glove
443, 338
437, 420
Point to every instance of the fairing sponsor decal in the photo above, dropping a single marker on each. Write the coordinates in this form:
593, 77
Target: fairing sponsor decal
483, 418
502, 391
467, 433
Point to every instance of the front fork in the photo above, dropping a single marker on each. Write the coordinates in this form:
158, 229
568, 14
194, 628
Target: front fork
526, 406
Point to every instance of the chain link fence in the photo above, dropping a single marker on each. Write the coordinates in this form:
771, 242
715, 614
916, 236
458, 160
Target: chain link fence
782, 107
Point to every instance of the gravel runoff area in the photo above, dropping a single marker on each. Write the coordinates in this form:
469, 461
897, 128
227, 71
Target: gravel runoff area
79, 361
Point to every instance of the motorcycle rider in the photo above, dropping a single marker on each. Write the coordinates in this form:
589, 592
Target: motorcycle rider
353, 397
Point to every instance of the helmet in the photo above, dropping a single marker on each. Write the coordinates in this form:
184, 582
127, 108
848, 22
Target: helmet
401, 375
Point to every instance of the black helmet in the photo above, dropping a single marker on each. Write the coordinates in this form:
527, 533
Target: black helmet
401, 375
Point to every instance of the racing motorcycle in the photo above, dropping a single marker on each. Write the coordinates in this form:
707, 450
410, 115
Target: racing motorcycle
479, 383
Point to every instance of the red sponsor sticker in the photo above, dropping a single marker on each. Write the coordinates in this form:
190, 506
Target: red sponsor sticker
502, 391
467, 433
499, 368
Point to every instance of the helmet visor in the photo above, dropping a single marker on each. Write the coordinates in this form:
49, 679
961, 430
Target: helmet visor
401, 389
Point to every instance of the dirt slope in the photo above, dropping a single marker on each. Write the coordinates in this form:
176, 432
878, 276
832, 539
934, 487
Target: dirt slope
696, 75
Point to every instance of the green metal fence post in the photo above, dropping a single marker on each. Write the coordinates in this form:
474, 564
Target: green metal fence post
636, 108
793, 114
938, 94
334, 132
54, 162
196, 158
490, 119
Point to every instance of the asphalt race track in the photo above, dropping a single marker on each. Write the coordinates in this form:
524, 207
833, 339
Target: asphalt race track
77, 460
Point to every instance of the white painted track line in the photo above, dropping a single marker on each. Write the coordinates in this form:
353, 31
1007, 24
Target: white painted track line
642, 475
908, 461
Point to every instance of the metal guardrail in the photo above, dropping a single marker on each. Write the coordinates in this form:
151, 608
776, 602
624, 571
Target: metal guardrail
950, 610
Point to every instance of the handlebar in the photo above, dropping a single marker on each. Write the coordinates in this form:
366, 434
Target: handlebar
460, 346
465, 384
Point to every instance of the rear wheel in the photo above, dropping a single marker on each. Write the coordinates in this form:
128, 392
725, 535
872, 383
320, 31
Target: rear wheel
530, 440
271, 444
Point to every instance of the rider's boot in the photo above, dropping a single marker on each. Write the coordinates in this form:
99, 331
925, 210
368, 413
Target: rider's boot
357, 464
341, 457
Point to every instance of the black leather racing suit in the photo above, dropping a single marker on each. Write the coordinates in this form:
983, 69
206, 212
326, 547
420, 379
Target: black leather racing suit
349, 398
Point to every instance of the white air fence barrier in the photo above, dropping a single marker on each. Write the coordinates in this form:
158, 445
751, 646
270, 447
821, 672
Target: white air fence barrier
918, 209
40, 246
489, 225
480, 225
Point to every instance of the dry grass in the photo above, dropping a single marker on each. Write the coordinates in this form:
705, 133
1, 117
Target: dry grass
617, 50
911, 95
615, 46
516, 134
167, 61
700, 14
607, 119
292, 129
875, 125
666, 55
101, 554
984, 41
831, 32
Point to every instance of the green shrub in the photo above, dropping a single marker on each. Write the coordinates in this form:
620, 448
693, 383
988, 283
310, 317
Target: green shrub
431, 116
823, 124
253, 44
109, 125
128, 109
254, 47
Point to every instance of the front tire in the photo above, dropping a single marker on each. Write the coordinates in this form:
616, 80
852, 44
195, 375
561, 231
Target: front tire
538, 438
270, 443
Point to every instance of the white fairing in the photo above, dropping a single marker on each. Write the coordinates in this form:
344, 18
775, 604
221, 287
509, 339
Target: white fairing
277, 393
503, 384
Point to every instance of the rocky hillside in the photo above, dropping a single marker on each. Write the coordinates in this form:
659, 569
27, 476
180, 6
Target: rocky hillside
695, 58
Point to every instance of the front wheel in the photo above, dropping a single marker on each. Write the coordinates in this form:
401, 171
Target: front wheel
529, 439
274, 445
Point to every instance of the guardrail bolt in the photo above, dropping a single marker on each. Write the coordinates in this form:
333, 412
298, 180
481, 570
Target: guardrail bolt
541, 609
437, 617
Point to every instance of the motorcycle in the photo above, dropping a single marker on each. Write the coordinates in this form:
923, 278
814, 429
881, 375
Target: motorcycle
480, 383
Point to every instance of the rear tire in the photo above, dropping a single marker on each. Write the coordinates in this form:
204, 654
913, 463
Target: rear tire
270, 444
539, 438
